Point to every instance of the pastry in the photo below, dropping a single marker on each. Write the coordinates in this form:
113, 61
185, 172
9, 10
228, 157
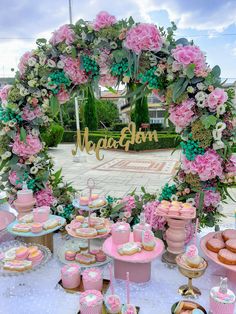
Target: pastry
91, 302
51, 224
231, 245
21, 228
22, 253
80, 218
215, 245
83, 246
26, 218
128, 309
32, 249
85, 258
113, 304
227, 257
36, 227
229, 234
70, 276
86, 232
218, 236
36, 257
92, 279
10, 254
102, 231
70, 255
185, 307
120, 233
97, 203
148, 240
17, 265
96, 221
129, 248
192, 258
75, 224
100, 256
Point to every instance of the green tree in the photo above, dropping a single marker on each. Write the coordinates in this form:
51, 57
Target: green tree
90, 110
107, 112
141, 114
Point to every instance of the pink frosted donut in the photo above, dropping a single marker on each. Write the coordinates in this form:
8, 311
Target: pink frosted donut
218, 236
214, 245
229, 234
227, 257
231, 245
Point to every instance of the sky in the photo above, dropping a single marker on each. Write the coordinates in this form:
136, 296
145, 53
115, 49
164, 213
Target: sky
210, 23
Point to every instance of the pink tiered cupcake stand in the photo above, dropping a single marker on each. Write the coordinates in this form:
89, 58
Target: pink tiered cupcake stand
138, 265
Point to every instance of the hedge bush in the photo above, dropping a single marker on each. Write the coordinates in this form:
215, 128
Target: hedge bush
118, 126
54, 135
165, 140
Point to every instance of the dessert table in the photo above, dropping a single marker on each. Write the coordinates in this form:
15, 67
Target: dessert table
155, 296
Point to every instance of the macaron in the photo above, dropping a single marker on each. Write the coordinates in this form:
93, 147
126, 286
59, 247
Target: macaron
100, 256
197, 311
22, 253
80, 218
36, 256
33, 249
36, 227
70, 255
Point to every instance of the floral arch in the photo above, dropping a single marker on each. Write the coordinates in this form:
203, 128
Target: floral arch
108, 52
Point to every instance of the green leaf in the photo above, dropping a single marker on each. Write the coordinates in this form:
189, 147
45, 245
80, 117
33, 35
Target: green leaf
201, 200
3, 164
73, 52
22, 134
41, 41
182, 41
190, 71
216, 71
179, 87
208, 121
54, 105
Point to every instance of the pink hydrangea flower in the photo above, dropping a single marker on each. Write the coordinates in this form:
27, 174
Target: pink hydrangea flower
217, 97
158, 222
182, 115
4, 93
13, 178
72, 69
211, 198
207, 166
107, 80
31, 146
22, 66
63, 34
231, 165
30, 113
191, 54
129, 203
63, 96
44, 197
143, 36
189, 232
103, 19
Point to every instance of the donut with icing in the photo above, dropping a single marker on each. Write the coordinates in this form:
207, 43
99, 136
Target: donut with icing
227, 257
214, 245
229, 234
231, 245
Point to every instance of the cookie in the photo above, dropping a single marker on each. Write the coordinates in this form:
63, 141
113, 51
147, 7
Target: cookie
85, 258
214, 245
86, 232
129, 248
21, 228
231, 245
227, 257
229, 234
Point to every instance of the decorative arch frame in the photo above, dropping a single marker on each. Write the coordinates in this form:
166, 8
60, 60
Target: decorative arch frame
109, 52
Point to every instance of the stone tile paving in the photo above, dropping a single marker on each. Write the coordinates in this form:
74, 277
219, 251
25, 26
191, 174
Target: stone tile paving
119, 183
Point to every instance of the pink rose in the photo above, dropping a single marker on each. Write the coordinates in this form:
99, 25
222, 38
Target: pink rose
4, 93
103, 19
63, 96
217, 97
63, 34
31, 146
143, 37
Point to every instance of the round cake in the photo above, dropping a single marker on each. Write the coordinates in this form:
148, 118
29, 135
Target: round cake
92, 279
70, 275
91, 302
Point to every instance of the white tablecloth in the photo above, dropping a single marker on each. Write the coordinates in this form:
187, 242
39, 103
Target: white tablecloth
154, 297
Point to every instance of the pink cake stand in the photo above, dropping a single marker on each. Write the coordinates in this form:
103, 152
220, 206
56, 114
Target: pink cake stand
5, 219
138, 265
24, 208
229, 269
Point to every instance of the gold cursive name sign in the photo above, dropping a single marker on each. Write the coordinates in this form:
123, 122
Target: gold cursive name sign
136, 137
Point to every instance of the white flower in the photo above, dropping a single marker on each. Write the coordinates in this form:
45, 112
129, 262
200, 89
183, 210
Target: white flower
51, 63
220, 208
37, 94
190, 201
60, 209
200, 96
190, 89
54, 203
32, 83
32, 61
42, 59
68, 49
170, 77
221, 109
24, 91
60, 64
8, 154
11, 124
45, 119
220, 126
174, 197
44, 92
217, 135
218, 145
61, 185
35, 132
5, 156
201, 86
2, 132
34, 170
201, 103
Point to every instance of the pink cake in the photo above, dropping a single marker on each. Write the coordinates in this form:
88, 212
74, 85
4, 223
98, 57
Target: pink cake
70, 275
91, 302
120, 233
222, 300
139, 228
41, 214
92, 279
25, 196
113, 304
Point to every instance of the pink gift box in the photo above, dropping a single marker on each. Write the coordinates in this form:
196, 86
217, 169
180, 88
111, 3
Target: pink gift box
120, 233
41, 214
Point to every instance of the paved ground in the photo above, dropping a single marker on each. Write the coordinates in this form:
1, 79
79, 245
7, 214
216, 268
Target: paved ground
121, 181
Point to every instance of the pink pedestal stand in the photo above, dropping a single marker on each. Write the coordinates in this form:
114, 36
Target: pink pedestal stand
24, 208
138, 265
227, 270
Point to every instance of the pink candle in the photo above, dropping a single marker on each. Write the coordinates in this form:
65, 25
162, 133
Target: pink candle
127, 287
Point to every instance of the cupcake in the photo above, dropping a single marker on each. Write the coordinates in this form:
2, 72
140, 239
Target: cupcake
92, 279
91, 302
113, 304
148, 240
191, 256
